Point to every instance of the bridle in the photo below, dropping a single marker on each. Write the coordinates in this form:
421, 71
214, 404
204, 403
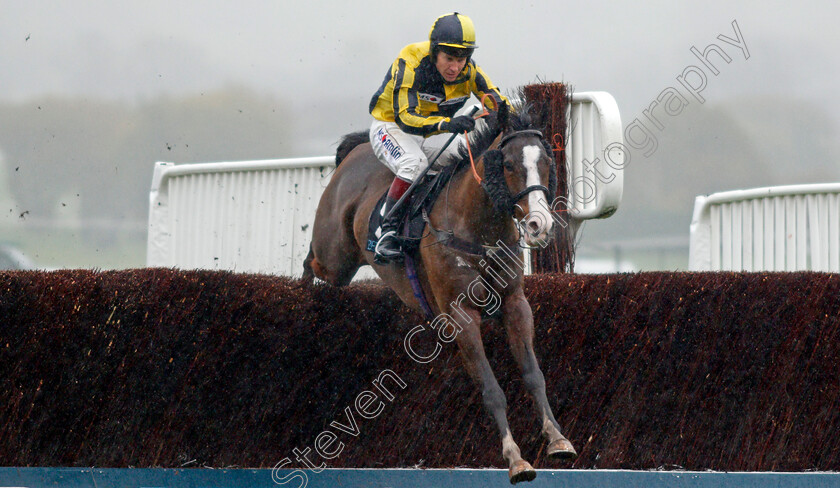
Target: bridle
525, 132
505, 140
532, 188
448, 238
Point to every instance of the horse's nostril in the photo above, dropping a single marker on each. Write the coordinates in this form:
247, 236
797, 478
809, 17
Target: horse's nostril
534, 228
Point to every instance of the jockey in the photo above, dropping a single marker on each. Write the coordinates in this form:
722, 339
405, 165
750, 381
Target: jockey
418, 98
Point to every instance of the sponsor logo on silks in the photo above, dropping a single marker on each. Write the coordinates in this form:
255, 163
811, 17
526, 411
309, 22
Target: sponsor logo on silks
428, 97
455, 101
388, 143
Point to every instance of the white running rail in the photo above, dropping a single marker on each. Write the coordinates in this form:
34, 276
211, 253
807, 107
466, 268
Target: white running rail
256, 216
595, 156
250, 216
783, 228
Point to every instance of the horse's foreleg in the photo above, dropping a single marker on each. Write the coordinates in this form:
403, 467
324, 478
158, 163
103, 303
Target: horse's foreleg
475, 361
519, 322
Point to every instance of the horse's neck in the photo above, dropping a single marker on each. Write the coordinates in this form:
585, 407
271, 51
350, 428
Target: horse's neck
472, 214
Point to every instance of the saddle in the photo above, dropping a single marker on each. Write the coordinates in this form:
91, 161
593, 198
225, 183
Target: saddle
411, 228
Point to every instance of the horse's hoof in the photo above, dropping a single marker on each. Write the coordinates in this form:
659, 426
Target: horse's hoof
561, 449
521, 471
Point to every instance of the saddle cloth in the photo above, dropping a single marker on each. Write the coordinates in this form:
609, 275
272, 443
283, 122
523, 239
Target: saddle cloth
412, 227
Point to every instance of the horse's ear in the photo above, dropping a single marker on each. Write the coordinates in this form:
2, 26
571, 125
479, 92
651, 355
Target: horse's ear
504, 116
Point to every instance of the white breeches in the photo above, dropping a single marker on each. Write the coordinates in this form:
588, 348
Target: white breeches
407, 155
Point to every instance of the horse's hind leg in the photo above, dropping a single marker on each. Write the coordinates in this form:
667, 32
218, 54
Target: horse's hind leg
308, 274
519, 322
475, 361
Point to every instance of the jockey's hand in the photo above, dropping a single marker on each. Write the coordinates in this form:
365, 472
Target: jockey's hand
458, 124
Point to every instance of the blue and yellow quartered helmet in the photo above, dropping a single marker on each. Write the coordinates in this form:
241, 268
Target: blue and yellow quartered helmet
453, 34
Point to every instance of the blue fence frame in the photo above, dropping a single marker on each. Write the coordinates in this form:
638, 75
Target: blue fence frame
396, 478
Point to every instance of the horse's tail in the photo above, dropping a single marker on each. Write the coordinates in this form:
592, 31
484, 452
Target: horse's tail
348, 142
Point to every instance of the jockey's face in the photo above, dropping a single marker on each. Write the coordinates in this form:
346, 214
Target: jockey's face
449, 66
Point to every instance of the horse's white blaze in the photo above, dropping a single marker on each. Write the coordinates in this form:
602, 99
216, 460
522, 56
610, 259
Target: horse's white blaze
538, 212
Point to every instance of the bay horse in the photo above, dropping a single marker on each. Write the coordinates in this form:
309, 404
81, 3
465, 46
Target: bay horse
516, 169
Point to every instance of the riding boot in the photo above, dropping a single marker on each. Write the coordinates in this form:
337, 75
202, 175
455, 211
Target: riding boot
388, 247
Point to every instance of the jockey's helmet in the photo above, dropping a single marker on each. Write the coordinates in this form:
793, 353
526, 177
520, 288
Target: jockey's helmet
453, 34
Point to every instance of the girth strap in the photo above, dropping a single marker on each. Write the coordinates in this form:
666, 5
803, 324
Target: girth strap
417, 288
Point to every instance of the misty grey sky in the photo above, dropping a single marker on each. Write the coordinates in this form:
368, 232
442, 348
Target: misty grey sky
323, 59
311, 54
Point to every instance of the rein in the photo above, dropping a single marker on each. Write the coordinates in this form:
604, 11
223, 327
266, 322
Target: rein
472, 162
467, 138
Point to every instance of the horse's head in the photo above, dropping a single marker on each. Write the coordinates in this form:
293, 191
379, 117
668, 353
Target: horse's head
520, 176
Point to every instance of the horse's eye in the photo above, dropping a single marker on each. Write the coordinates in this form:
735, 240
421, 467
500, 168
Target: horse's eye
508, 165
